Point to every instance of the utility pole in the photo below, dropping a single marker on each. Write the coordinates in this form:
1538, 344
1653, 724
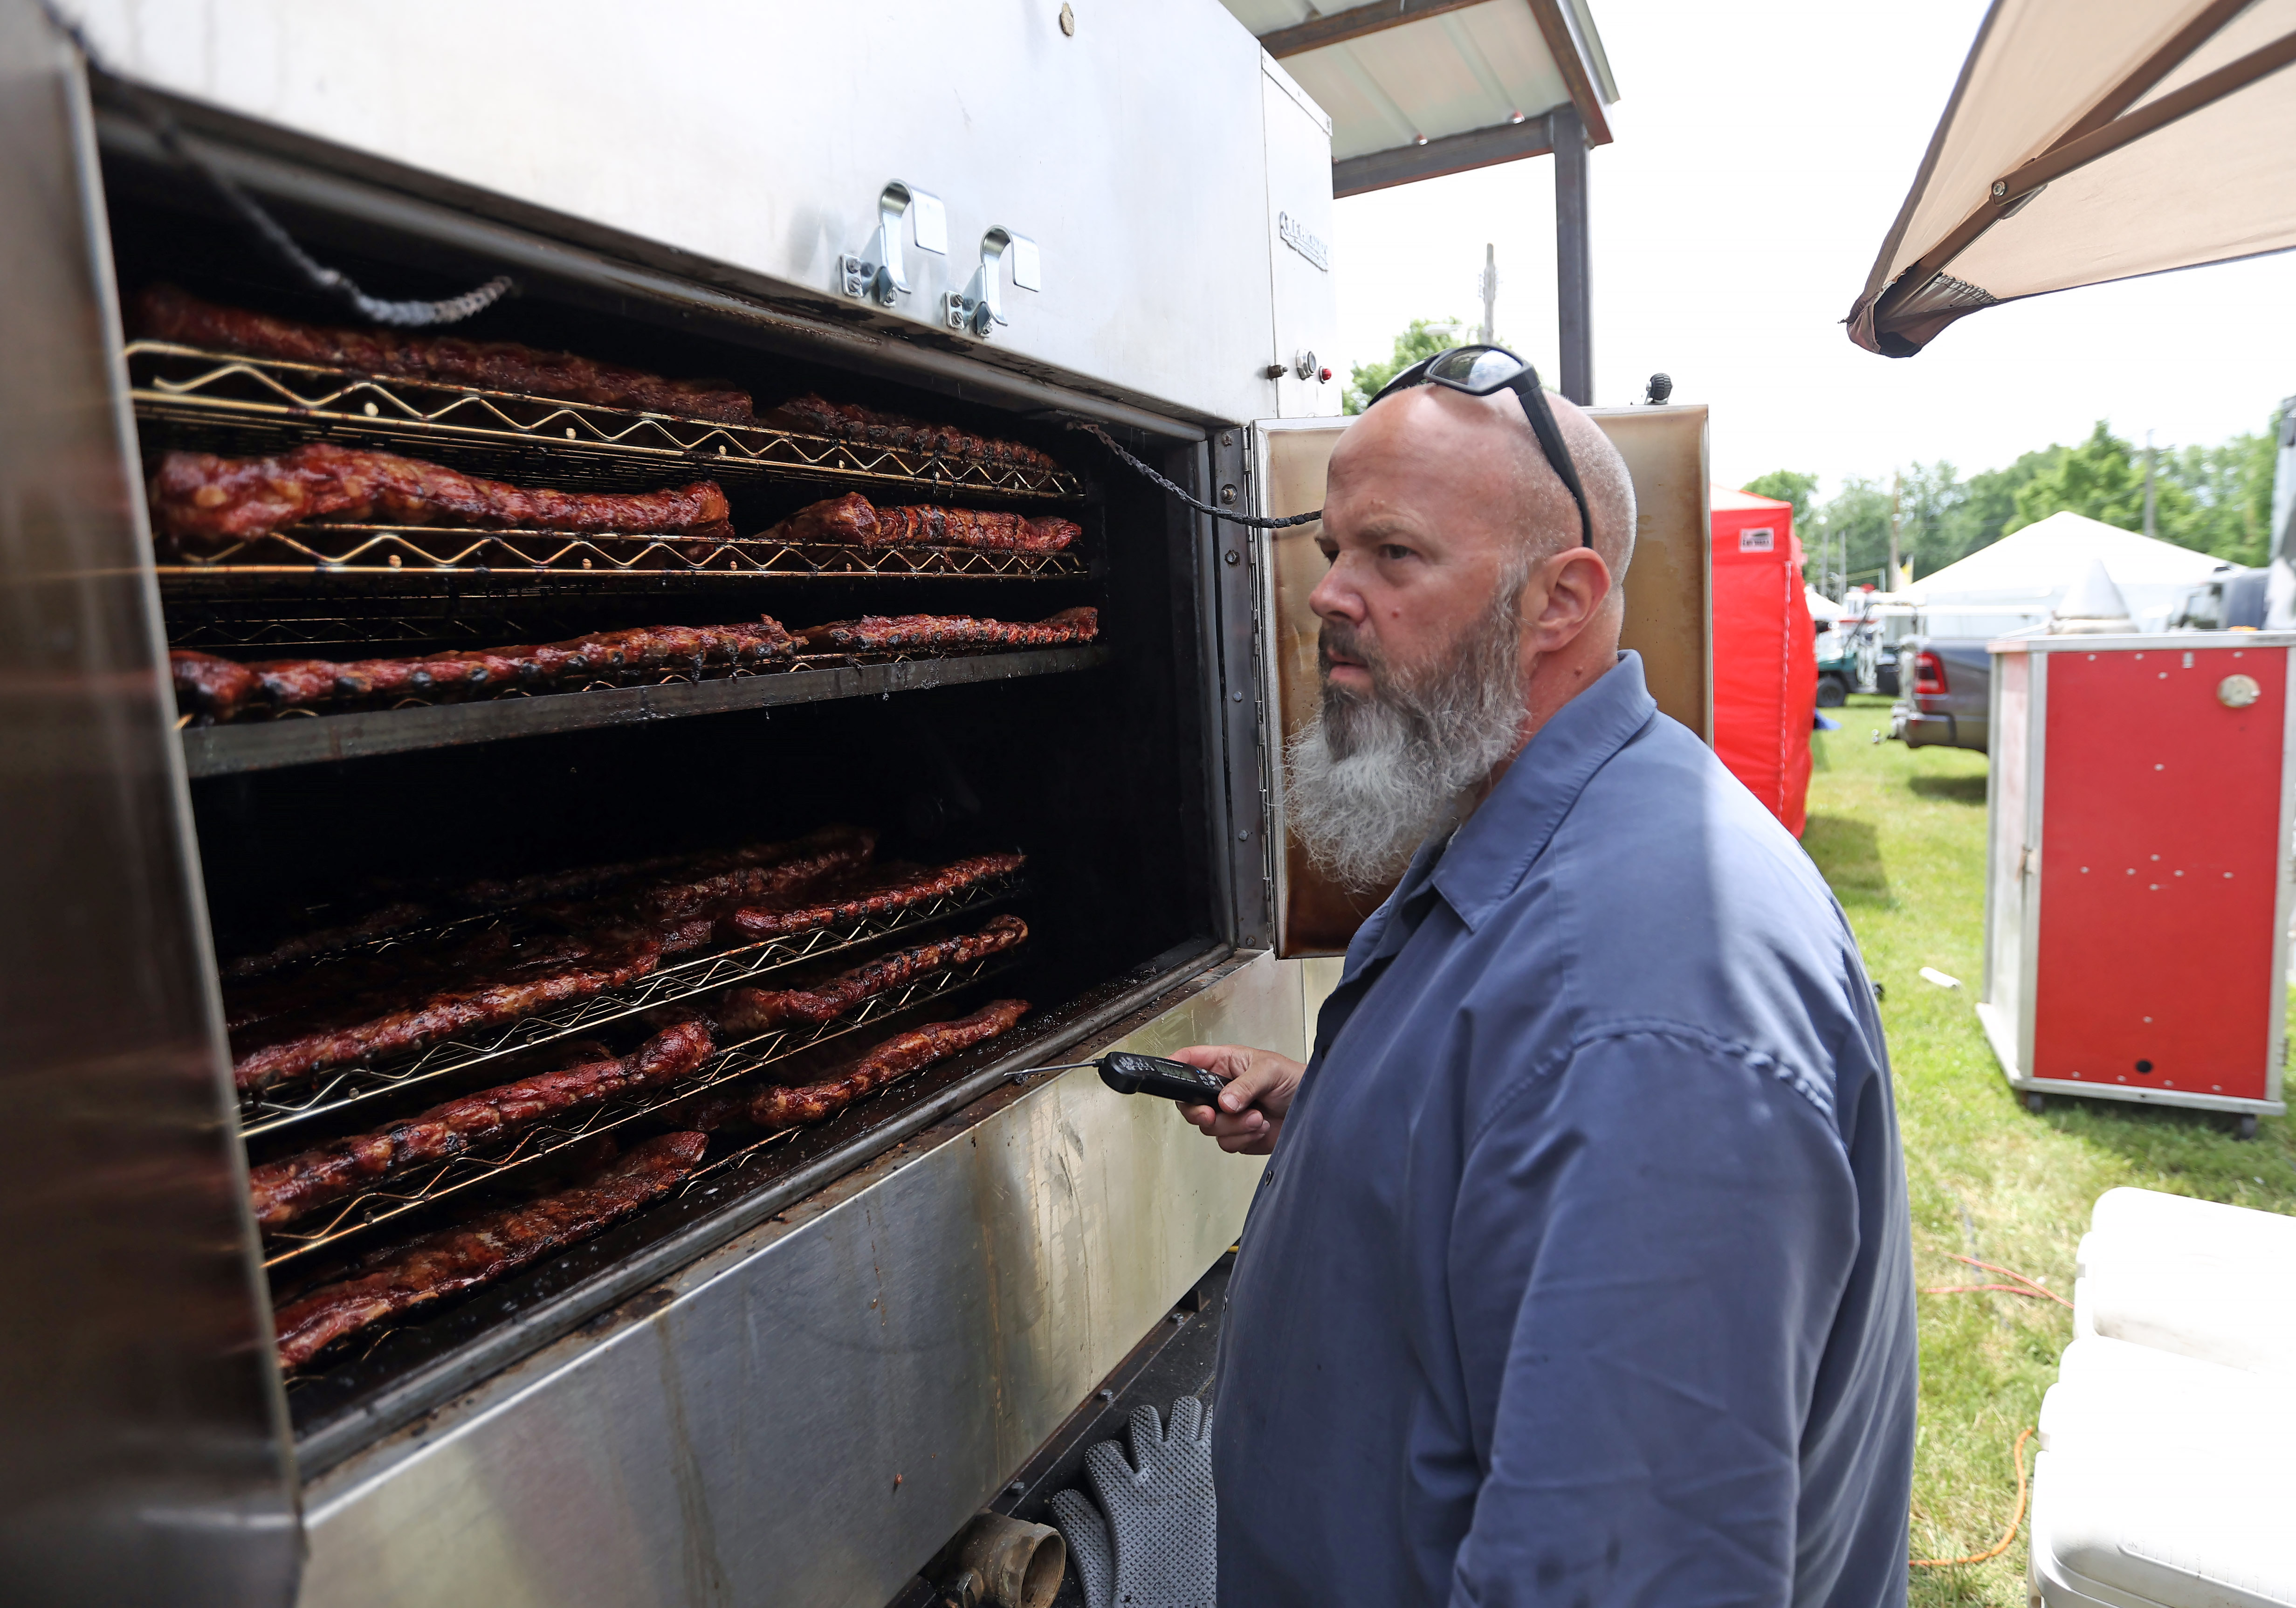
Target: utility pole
1490, 294
2151, 526
1897, 485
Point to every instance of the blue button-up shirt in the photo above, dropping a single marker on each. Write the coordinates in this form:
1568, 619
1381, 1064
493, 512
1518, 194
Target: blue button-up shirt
1579, 1273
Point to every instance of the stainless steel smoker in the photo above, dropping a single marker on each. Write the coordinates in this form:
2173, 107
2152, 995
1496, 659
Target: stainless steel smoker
796, 1379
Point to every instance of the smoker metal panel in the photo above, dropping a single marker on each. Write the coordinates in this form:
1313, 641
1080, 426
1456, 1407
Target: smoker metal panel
806, 1414
143, 1457
1132, 151
1306, 312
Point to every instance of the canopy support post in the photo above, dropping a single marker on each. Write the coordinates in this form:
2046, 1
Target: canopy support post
1574, 271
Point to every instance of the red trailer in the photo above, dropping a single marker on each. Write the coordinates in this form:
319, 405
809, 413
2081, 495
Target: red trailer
1764, 652
2137, 867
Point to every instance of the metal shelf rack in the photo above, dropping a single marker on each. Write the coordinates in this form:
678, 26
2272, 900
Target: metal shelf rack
215, 401
312, 739
348, 1089
424, 1186
432, 553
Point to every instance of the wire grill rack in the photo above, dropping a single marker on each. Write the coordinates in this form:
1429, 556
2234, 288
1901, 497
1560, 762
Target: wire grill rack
326, 548
241, 405
422, 1186
345, 1088
661, 675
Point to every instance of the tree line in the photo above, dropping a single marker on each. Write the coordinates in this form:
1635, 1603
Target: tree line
2212, 499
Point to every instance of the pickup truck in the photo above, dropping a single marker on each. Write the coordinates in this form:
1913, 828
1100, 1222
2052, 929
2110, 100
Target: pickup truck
1947, 701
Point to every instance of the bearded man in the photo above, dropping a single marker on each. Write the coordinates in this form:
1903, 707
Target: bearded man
1580, 1270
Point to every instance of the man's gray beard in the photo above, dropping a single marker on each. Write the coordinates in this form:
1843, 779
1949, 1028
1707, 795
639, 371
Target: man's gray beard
1375, 775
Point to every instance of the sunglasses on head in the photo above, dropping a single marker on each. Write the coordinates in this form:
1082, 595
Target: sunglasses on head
1477, 371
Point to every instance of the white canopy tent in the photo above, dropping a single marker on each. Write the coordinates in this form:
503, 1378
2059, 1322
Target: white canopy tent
2017, 582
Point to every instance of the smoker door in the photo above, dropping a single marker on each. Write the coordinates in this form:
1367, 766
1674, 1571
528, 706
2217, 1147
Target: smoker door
1669, 620
144, 1457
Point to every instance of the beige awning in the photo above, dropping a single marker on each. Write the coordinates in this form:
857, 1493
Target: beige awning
2087, 141
1421, 87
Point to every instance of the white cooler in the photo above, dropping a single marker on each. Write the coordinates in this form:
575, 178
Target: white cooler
2167, 1477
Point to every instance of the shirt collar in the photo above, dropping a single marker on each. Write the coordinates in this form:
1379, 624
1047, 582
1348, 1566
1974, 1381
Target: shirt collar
1488, 857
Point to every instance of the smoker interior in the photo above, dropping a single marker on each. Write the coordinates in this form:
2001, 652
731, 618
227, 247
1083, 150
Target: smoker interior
1097, 774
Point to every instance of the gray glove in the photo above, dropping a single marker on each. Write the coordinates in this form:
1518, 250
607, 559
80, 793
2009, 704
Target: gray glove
1157, 1547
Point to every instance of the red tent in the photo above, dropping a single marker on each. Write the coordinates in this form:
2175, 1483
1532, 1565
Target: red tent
1764, 652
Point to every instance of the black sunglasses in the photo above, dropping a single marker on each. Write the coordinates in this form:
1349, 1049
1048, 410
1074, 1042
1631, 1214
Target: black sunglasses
1477, 371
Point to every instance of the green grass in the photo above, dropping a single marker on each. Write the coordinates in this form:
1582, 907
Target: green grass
1900, 834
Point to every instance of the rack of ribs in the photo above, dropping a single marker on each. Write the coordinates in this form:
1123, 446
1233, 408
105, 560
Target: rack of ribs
853, 521
882, 633
203, 501
889, 1062
282, 1191
485, 1249
878, 892
746, 1012
356, 990
844, 421
165, 313
606, 944
410, 908
503, 999
220, 688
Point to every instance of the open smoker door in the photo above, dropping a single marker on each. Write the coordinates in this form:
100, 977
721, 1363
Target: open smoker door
1668, 618
144, 1457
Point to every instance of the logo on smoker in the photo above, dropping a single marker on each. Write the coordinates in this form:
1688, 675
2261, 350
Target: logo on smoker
1295, 235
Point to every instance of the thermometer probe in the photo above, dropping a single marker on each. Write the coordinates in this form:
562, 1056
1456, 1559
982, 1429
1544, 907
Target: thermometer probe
1132, 1074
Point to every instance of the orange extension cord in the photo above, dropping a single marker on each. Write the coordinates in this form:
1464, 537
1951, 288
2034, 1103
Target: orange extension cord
2016, 1519
2024, 1285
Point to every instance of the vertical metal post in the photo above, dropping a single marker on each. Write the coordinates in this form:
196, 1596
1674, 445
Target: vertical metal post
1574, 272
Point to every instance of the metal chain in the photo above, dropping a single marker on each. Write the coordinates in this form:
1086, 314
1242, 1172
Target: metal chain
1257, 522
328, 282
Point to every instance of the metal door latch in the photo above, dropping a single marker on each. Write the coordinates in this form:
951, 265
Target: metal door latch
978, 308
876, 274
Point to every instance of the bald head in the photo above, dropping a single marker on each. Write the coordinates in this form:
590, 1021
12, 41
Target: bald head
1485, 445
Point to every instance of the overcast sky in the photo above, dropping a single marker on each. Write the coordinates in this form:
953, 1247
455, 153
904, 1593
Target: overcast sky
1761, 151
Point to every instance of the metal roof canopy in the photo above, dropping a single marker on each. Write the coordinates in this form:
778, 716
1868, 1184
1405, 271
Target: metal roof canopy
2088, 141
1419, 88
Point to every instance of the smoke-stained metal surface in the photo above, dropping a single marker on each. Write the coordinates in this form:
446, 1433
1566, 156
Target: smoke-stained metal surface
143, 1457
806, 1414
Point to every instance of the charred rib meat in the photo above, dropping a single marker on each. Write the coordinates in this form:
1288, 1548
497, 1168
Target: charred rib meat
203, 500
851, 898
282, 1191
443, 1015
485, 1249
889, 1062
220, 689
164, 312
880, 633
844, 421
853, 521
745, 1011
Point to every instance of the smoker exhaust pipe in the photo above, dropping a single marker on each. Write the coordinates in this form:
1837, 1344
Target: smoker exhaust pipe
1007, 1563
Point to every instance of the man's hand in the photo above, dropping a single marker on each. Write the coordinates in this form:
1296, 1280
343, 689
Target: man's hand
1251, 1108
